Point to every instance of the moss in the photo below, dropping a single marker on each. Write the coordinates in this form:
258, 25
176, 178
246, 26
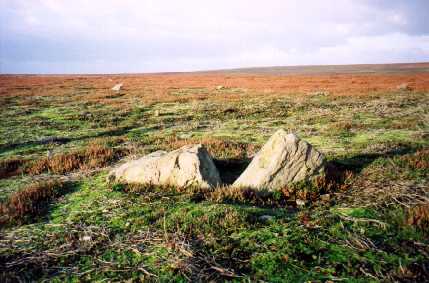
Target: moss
100, 232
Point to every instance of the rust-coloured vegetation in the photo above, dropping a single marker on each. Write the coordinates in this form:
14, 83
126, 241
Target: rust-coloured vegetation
419, 216
335, 180
10, 167
218, 148
360, 226
30, 201
151, 88
95, 155
419, 160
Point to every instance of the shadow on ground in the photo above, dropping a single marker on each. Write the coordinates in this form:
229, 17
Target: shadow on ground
64, 140
359, 162
231, 169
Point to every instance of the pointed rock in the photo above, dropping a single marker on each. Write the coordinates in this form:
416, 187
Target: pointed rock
189, 165
284, 159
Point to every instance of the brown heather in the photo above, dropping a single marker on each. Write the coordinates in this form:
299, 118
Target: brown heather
419, 160
10, 167
217, 148
95, 155
31, 200
419, 216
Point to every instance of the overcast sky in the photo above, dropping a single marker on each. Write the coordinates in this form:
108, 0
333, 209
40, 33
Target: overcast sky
115, 36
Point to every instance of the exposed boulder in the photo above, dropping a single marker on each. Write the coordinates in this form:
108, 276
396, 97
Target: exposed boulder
284, 159
117, 87
189, 165
404, 86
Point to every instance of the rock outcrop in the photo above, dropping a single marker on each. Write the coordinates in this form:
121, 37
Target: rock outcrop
187, 166
284, 159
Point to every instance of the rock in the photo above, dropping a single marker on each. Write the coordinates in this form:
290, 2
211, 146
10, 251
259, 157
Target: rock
220, 87
325, 197
117, 87
282, 160
300, 202
404, 86
86, 238
189, 165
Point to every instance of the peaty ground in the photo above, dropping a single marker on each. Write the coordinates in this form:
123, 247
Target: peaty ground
60, 220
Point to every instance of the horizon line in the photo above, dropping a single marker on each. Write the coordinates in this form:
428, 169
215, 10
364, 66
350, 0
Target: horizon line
221, 70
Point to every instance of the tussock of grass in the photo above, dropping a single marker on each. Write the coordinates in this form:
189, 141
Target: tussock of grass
95, 155
419, 216
262, 198
418, 161
10, 167
217, 148
335, 180
30, 201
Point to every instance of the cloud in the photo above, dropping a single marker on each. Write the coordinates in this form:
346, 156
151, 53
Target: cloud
59, 36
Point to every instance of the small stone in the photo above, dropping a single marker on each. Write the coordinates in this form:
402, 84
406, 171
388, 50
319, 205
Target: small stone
86, 238
325, 197
404, 86
156, 113
117, 87
220, 87
300, 202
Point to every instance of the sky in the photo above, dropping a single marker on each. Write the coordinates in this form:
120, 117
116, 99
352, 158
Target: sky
136, 36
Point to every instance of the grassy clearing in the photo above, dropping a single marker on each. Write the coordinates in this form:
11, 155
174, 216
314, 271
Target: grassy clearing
153, 233
369, 225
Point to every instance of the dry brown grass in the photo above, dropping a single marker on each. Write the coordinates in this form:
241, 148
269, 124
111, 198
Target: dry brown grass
216, 147
30, 200
418, 160
151, 88
247, 196
10, 167
419, 216
95, 155
335, 180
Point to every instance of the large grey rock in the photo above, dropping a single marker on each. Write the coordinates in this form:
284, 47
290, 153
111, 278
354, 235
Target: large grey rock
189, 165
282, 160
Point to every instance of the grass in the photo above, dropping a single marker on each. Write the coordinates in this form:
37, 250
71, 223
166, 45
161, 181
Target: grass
367, 221
30, 201
165, 234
